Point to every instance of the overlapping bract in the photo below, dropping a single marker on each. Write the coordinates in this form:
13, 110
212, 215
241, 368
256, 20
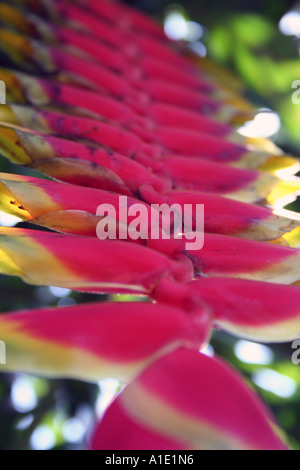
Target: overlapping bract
163, 408
102, 104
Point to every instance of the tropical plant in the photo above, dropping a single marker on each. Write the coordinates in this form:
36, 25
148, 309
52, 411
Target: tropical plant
103, 105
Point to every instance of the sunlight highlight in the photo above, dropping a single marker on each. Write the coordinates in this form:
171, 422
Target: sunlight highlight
287, 214
59, 292
43, 438
287, 172
178, 28
7, 220
208, 351
278, 384
74, 430
290, 24
253, 353
281, 203
198, 48
108, 390
23, 395
265, 124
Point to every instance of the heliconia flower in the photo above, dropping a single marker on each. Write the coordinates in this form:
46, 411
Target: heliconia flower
225, 80
106, 134
185, 173
77, 163
228, 217
82, 20
183, 97
131, 43
37, 56
202, 175
171, 116
176, 404
30, 198
37, 28
127, 143
236, 257
57, 206
90, 342
147, 45
84, 13
117, 116
197, 144
236, 183
42, 258
24, 88
82, 173
22, 249
258, 311
63, 123
151, 67
132, 18
163, 139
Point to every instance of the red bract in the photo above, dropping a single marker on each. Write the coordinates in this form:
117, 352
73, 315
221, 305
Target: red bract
177, 403
120, 111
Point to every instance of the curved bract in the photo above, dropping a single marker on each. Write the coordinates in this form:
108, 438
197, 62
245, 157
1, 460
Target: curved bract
187, 401
107, 111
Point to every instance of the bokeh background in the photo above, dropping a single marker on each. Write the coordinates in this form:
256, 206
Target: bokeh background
259, 40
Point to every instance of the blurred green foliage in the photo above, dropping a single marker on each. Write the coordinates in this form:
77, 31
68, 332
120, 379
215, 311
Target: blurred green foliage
266, 60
